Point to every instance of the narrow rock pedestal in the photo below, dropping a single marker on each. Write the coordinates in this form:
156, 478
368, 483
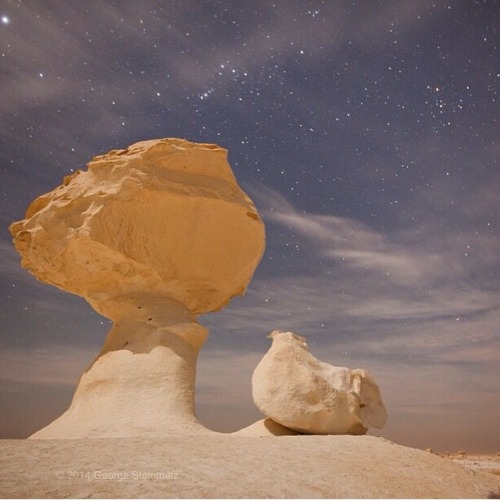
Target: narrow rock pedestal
142, 382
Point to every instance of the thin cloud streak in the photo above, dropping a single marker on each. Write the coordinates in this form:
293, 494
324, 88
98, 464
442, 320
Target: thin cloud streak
395, 257
371, 293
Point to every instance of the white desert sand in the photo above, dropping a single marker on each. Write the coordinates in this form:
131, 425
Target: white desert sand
222, 466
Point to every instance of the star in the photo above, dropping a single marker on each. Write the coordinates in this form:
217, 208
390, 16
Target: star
5, 20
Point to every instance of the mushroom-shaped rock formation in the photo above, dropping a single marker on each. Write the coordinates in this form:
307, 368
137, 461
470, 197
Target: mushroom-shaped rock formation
298, 391
151, 236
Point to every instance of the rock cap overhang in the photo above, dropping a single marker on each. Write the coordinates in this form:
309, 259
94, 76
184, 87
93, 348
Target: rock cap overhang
163, 215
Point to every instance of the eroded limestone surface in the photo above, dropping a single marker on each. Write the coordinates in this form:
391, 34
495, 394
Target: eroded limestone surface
151, 236
298, 391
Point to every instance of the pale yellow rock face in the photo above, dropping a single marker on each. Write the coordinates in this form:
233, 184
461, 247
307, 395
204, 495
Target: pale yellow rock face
151, 236
293, 388
163, 215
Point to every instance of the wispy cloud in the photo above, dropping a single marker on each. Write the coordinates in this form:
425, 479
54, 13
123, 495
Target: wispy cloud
366, 291
411, 256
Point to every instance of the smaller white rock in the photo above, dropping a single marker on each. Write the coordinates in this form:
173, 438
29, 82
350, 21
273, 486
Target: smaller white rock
300, 392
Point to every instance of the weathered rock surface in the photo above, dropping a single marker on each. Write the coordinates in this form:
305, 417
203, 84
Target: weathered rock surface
298, 391
151, 236
163, 216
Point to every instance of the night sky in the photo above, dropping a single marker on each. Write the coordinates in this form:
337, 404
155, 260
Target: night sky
366, 133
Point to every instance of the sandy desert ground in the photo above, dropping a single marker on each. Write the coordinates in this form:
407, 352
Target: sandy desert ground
481, 462
221, 466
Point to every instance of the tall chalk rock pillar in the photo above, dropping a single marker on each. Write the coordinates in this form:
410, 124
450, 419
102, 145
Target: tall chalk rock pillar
151, 236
